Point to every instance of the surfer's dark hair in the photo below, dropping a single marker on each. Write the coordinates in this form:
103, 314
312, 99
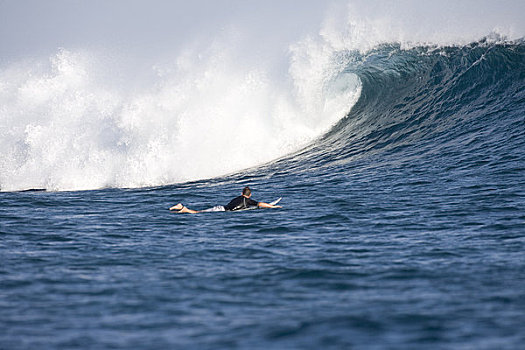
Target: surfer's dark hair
246, 191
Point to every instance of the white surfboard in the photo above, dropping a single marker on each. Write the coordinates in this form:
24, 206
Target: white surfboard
276, 201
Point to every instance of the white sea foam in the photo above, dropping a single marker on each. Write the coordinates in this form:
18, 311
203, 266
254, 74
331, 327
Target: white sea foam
66, 127
263, 84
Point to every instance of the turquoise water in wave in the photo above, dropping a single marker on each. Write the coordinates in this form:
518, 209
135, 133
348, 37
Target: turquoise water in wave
402, 228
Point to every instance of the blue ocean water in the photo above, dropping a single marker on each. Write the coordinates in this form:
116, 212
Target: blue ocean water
403, 227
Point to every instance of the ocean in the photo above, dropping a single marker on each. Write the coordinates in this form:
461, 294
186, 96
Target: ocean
401, 165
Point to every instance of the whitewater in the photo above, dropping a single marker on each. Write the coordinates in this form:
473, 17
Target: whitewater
201, 113
393, 131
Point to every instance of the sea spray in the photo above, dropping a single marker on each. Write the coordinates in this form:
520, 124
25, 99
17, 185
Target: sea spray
67, 126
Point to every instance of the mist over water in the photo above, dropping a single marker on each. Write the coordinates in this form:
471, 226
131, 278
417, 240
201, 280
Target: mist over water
128, 94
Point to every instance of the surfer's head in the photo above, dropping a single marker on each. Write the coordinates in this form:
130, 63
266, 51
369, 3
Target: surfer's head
246, 192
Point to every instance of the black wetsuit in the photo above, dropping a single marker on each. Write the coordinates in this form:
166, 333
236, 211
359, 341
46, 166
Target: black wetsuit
241, 202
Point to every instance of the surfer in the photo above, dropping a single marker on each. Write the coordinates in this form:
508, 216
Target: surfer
242, 202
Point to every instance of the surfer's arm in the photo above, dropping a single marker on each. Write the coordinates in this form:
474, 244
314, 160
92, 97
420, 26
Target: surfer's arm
266, 205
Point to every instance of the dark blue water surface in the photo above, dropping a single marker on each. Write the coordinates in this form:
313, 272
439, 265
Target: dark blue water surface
403, 228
